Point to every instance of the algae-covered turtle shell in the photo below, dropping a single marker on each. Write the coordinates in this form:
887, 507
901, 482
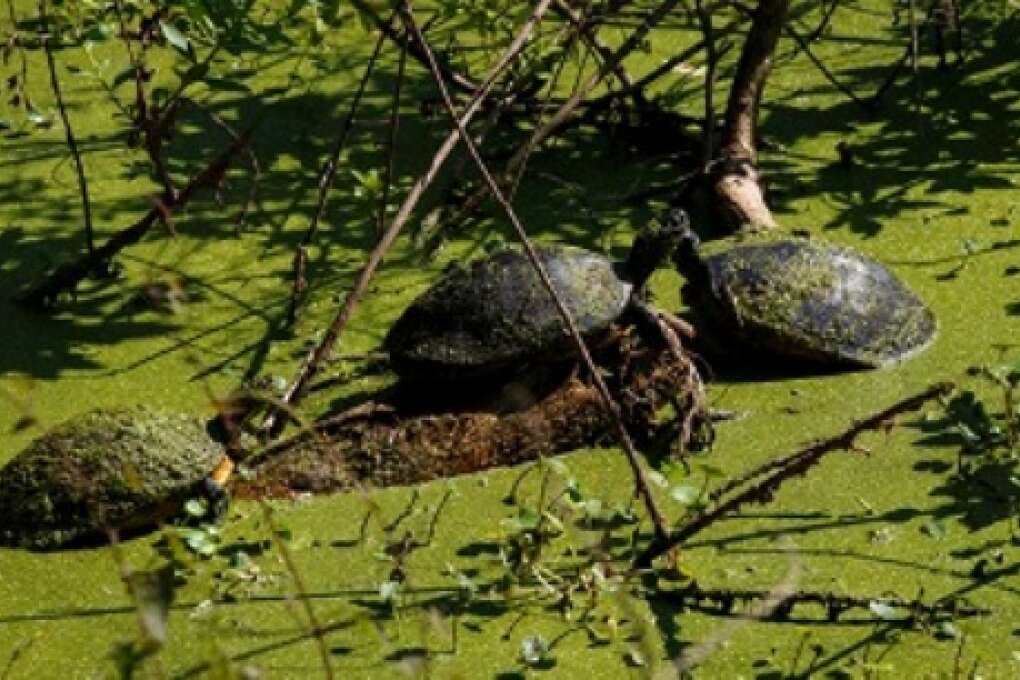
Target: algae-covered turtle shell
806, 300
124, 469
480, 320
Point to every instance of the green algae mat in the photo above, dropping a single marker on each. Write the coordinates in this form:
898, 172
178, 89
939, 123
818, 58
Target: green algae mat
447, 580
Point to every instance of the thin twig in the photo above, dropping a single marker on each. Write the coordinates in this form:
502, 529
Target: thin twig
640, 479
708, 131
68, 275
253, 161
771, 603
784, 468
725, 599
327, 176
72, 144
324, 348
570, 105
867, 105
461, 81
315, 629
823, 24
584, 28
391, 141
666, 67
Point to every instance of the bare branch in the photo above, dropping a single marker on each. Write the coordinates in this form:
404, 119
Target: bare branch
67, 276
72, 143
327, 176
797, 463
640, 479
324, 348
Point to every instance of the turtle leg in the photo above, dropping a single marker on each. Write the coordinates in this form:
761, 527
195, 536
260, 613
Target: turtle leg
658, 327
213, 489
679, 326
687, 427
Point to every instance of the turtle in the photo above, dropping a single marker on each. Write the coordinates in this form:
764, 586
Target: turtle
484, 321
802, 300
126, 469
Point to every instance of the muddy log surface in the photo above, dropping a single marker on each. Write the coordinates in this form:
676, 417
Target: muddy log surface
387, 449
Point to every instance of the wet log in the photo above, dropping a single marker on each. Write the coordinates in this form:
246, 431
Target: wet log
385, 448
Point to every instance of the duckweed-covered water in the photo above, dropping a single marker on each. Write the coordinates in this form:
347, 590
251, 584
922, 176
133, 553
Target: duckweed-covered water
932, 194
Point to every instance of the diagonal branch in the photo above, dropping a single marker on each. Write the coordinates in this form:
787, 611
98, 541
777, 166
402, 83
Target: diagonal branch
310, 366
327, 177
68, 275
643, 486
797, 463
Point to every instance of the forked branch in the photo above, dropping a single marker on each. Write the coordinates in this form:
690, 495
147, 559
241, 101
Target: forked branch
782, 469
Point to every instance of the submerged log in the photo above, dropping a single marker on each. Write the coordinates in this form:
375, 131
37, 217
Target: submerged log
383, 447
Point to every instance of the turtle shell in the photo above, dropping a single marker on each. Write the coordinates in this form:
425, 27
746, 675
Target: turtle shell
120, 469
481, 320
818, 302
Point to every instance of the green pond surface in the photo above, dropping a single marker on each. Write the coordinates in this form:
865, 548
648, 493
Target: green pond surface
933, 194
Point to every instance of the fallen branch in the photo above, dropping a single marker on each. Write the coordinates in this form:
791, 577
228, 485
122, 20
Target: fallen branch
610, 405
67, 276
724, 601
796, 464
72, 143
310, 366
378, 444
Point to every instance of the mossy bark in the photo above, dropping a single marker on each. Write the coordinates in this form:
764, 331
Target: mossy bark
391, 449
738, 184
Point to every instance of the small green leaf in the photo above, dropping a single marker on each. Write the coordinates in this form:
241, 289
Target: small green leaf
945, 630
38, 118
240, 560
710, 471
527, 518
196, 508
934, 529
686, 494
99, 32
534, 649
388, 590
633, 657
200, 542
574, 491
557, 466
175, 37
882, 610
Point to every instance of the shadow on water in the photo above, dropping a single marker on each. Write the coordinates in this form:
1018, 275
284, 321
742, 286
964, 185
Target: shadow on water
570, 192
566, 201
945, 131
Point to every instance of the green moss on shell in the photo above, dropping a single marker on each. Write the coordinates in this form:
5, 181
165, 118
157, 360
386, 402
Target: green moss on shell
804, 299
119, 469
478, 320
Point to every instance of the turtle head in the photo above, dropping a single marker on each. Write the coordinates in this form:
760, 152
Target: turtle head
655, 243
685, 252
